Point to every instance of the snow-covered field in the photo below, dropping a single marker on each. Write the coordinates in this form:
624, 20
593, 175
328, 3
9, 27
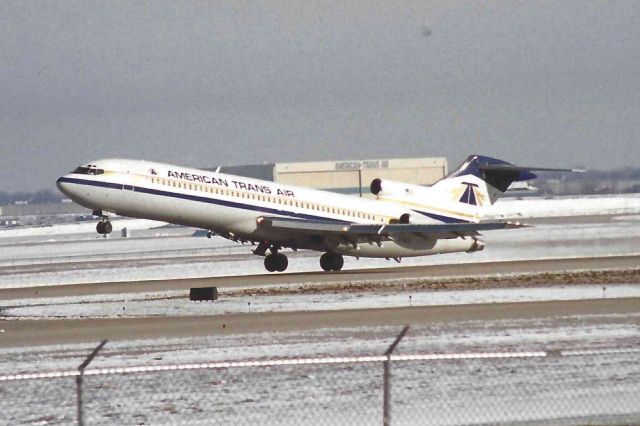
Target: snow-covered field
562, 390
591, 205
556, 390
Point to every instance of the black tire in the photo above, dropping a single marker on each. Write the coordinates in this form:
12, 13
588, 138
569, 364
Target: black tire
108, 228
100, 228
270, 263
337, 262
325, 262
281, 262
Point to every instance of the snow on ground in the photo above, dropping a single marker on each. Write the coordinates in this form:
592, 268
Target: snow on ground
177, 302
565, 206
440, 392
577, 332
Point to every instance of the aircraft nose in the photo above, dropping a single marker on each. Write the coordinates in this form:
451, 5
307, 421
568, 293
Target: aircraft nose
60, 183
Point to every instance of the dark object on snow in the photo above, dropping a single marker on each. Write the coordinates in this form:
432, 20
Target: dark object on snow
199, 294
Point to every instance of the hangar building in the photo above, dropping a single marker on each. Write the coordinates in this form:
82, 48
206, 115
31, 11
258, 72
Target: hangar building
347, 176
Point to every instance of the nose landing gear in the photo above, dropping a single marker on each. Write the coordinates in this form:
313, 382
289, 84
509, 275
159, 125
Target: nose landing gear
331, 262
104, 226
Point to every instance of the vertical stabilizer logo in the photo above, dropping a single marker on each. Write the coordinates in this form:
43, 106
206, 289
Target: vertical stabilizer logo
470, 195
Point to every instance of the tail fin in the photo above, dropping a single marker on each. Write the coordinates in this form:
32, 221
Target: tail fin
478, 183
497, 173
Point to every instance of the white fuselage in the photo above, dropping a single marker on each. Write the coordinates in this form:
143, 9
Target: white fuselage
231, 205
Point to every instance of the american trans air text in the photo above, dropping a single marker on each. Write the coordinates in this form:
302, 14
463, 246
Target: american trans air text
263, 189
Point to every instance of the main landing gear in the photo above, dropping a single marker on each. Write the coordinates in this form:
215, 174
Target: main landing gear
331, 262
276, 262
273, 261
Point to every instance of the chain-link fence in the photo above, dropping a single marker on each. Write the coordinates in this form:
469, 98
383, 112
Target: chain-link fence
557, 387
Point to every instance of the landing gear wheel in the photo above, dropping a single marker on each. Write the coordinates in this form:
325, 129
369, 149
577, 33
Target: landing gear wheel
104, 228
276, 262
338, 262
325, 262
270, 263
331, 262
281, 262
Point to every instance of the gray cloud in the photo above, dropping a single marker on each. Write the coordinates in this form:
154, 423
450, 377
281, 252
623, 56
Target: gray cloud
206, 83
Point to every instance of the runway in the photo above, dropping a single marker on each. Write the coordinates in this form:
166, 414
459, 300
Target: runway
30, 333
602, 263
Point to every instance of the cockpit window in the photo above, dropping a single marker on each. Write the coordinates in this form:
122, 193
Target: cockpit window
88, 171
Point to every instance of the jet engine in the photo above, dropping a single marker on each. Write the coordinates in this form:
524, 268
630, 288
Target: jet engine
390, 188
478, 245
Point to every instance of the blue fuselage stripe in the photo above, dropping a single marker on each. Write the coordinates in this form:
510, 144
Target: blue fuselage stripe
445, 219
232, 204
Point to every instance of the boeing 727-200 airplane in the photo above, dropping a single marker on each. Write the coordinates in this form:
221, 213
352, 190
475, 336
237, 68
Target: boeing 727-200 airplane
403, 220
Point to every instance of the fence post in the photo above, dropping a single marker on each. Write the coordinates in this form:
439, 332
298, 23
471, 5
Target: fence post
81, 368
386, 393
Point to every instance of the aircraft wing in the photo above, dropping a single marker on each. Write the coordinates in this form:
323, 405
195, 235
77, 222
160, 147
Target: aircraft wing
364, 232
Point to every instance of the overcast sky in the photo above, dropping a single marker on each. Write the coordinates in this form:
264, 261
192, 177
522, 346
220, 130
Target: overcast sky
552, 83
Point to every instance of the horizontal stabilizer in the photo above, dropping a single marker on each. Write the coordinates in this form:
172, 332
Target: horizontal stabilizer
498, 173
522, 168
